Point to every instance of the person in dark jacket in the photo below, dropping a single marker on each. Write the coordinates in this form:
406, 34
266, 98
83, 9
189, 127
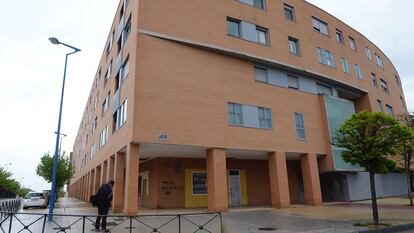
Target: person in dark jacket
103, 199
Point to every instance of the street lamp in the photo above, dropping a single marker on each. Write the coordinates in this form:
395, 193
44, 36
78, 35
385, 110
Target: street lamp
61, 140
55, 157
5, 165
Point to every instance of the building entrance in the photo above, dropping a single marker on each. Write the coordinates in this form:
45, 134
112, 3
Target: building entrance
234, 188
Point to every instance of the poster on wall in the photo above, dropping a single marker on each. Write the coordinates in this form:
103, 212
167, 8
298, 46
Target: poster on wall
199, 180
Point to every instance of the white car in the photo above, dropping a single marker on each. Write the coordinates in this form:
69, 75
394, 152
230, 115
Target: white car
35, 199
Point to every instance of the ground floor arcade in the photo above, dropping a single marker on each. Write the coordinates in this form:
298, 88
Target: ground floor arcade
153, 176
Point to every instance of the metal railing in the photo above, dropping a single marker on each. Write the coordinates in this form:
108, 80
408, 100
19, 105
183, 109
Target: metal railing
11, 205
179, 223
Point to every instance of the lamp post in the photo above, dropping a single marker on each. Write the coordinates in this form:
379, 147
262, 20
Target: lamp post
5, 165
53, 40
61, 140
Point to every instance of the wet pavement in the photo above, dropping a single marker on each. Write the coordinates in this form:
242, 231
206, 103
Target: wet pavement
335, 217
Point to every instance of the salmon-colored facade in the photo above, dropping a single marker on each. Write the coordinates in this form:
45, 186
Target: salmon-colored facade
224, 103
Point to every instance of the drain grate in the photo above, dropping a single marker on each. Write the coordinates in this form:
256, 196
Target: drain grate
267, 229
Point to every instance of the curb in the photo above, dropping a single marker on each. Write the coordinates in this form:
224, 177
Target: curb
390, 229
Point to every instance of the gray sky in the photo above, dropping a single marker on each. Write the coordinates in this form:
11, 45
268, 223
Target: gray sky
32, 68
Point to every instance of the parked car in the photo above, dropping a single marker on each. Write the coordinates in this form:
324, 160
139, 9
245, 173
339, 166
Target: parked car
36, 199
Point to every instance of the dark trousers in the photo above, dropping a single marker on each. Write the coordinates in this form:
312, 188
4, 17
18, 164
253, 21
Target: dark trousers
102, 210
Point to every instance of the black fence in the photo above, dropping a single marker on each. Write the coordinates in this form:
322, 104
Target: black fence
12, 205
12, 222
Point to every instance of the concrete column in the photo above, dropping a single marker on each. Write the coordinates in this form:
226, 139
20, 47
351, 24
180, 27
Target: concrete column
131, 180
104, 172
311, 183
97, 181
111, 168
86, 186
217, 180
279, 184
119, 179
91, 184
83, 188
80, 189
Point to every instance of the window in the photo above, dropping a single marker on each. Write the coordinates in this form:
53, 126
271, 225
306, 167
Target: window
110, 42
293, 81
199, 183
108, 72
374, 79
235, 114
289, 12
384, 86
124, 70
389, 110
258, 4
379, 106
358, 71
339, 36
120, 116
320, 26
294, 46
103, 137
402, 100
97, 77
326, 57
127, 30
352, 43
300, 126
324, 90
265, 118
94, 124
233, 27
378, 61
262, 37
261, 74
105, 104
95, 105
368, 52
93, 150
119, 44
345, 65
397, 80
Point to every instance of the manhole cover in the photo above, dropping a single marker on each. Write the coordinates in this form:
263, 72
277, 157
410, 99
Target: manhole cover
267, 229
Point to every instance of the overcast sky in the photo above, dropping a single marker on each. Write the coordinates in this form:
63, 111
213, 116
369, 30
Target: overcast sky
32, 68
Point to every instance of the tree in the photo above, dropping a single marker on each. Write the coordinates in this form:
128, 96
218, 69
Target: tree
10, 186
369, 139
407, 152
64, 172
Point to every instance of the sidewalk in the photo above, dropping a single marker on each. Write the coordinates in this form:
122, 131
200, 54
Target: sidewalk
333, 217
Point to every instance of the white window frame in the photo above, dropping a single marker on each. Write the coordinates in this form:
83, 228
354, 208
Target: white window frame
294, 46
262, 31
345, 65
378, 61
368, 52
265, 117
326, 57
300, 126
291, 9
358, 71
234, 21
320, 26
237, 114
258, 69
352, 43
339, 36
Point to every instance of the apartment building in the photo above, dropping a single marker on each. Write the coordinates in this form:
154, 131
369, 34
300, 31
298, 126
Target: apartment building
225, 103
